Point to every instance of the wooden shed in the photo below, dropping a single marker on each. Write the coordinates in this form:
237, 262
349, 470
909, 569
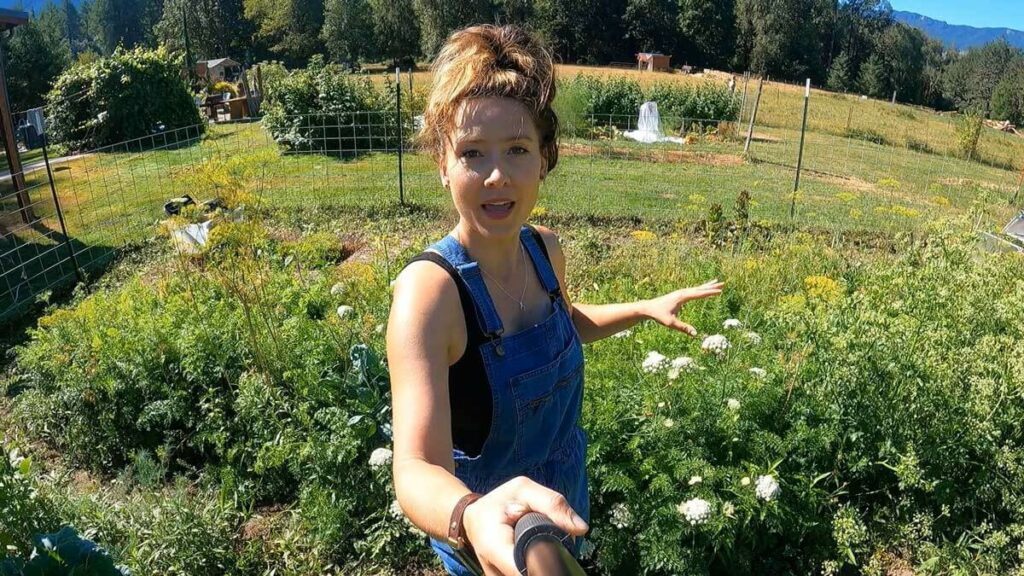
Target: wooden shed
653, 62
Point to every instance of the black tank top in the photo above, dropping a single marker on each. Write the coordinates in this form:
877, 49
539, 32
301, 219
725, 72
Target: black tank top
469, 391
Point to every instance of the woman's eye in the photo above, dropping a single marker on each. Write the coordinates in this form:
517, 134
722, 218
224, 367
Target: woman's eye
518, 150
470, 153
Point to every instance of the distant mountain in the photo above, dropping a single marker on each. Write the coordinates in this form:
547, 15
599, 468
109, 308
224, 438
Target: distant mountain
956, 36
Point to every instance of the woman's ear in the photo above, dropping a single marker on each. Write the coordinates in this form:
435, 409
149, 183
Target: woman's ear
442, 170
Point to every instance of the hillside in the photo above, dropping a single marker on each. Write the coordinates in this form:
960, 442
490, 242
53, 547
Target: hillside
957, 36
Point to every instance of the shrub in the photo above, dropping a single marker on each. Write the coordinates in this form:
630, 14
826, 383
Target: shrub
867, 135
678, 103
131, 94
324, 109
968, 132
615, 101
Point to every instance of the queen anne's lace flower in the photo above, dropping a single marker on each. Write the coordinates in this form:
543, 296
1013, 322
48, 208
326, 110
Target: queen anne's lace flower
623, 334
380, 457
653, 362
677, 366
396, 510
766, 488
669, 423
733, 404
745, 481
731, 324
695, 480
715, 344
695, 511
753, 337
337, 289
621, 516
344, 310
759, 372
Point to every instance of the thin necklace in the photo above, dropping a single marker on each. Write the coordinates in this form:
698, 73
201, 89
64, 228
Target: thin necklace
522, 307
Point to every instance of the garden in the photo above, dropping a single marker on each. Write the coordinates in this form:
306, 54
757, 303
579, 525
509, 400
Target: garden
852, 404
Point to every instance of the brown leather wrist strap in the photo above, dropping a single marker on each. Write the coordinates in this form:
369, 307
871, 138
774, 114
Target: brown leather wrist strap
456, 533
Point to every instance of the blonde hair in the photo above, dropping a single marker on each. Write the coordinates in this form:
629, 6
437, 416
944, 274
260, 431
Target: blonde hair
491, 61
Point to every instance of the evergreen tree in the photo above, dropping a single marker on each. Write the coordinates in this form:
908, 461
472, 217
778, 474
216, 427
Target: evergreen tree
396, 31
872, 80
651, 25
34, 62
289, 28
123, 22
439, 18
707, 31
840, 77
348, 30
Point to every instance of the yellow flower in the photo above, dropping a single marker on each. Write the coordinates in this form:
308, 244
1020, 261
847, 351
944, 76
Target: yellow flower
696, 198
643, 235
538, 211
846, 196
889, 182
855, 214
941, 200
904, 211
822, 288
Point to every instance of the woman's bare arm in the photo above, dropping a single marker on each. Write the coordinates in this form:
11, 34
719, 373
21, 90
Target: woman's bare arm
597, 321
423, 314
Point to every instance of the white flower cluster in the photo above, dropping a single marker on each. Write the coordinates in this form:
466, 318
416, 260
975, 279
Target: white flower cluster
337, 289
759, 372
715, 344
732, 324
344, 310
653, 362
621, 516
396, 510
733, 404
766, 488
695, 511
380, 457
624, 334
753, 337
680, 364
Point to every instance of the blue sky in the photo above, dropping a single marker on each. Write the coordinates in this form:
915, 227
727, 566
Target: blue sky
979, 13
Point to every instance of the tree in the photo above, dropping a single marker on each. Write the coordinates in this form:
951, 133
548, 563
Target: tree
62, 24
840, 76
290, 28
707, 30
515, 11
900, 51
970, 81
396, 30
872, 80
348, 30
1008, 97
586, 31
439, 18
123, 22
216, 28
34, 61
652, 25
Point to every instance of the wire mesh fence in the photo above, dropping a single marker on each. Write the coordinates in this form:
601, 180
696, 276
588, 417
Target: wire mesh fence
655, 171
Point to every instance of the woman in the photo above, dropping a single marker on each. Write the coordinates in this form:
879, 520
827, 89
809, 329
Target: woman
484, 345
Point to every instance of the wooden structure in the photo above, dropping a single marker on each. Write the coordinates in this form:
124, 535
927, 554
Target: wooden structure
220, 69
9, 20
653, 62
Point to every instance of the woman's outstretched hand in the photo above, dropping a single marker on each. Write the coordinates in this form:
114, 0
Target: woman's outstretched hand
663, 309
490, 521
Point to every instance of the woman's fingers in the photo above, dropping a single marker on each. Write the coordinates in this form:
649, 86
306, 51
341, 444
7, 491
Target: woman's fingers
553, 505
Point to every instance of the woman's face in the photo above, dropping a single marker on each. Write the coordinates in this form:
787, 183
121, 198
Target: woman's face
493, 165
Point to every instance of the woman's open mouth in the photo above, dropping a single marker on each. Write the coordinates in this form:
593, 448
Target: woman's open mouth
498, 210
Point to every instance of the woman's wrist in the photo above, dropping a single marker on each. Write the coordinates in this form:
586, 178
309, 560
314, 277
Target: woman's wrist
458, 534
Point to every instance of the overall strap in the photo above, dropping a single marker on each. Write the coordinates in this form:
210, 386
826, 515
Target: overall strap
534, 244
487, 315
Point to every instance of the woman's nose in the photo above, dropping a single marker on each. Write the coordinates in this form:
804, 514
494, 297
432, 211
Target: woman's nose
498, 176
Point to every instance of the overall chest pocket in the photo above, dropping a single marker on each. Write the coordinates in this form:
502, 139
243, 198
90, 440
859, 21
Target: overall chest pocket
548, 404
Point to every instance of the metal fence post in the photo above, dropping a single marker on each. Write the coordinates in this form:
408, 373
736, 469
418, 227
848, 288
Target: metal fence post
800, 155
753, 116
401, 135
60, 212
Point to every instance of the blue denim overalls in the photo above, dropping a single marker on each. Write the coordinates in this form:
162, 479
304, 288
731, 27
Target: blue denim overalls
536, 380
